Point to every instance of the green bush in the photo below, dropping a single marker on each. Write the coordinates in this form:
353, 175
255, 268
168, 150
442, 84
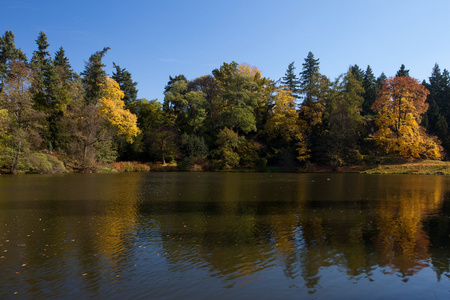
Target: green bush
43, 163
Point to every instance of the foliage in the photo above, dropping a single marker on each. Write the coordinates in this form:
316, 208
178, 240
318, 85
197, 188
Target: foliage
400, 106
130, 166
44, 164
111, 108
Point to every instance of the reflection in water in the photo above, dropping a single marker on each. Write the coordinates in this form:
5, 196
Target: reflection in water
232, 235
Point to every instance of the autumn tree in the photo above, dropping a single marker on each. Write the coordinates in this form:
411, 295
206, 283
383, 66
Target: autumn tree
112, 109
24, 120
400, 107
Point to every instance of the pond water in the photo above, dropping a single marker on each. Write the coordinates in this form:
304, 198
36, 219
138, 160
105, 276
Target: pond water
224, 235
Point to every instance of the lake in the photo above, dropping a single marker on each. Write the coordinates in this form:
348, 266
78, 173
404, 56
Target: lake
224, 236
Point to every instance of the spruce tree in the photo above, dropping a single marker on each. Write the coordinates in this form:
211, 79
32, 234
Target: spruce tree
8, 52
370, 91
308, 76
127, 85
402, 72
94, 77
291, 81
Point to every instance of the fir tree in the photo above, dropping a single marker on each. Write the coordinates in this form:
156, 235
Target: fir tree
8, 52
127, 85
402, 72
308, 75
370, 91
291, 81
94, 77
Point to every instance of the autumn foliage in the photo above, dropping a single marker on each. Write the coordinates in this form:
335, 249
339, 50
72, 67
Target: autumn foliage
400, 107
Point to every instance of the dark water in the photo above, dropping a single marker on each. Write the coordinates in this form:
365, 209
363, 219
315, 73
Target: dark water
224, 236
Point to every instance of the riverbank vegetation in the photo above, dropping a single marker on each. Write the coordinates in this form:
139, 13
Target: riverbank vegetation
53, 119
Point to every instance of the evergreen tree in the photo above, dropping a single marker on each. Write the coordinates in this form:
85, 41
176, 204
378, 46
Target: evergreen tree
357, 72
308, 76
94, 77
127, 85
291, 81
44, 75
370, 91
402, 72
8, 52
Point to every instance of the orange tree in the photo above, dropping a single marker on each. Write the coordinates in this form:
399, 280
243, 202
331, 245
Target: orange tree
400, 107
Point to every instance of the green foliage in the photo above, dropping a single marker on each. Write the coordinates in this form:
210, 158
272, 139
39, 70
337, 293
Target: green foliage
43, 164
291, 81
127, 85
94, 77
194, 146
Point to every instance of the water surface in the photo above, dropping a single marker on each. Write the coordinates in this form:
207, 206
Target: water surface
224, 235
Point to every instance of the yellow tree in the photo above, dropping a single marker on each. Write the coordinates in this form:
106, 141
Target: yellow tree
112, 109
283, 127
400, 107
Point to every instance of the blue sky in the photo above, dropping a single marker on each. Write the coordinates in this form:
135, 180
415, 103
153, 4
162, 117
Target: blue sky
155, 39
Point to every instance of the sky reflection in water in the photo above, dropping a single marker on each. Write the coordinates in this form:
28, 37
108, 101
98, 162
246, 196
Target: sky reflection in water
173, 235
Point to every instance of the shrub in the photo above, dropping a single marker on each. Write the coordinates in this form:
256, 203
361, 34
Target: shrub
43, 163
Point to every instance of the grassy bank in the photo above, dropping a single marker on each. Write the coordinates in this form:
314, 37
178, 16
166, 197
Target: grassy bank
426, 167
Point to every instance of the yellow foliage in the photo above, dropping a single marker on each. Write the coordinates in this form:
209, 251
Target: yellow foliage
400, 107
247, 70
112, 109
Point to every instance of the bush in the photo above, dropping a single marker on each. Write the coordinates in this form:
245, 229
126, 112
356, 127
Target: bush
43, 163
194, 164
130, 166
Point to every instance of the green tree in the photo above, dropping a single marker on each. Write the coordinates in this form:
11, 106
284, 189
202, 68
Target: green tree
186, 109
402, 71
127, 85
17, 100
94, 77
308, 77
344, 122
370, 91
239, 96
291, 81
8, 52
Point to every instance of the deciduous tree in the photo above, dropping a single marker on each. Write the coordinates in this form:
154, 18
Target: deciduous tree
400, 107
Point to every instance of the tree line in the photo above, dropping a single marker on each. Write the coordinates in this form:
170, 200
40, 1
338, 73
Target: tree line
53, 119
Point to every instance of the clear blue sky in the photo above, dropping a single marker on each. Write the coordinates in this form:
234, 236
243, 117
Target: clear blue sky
154, 39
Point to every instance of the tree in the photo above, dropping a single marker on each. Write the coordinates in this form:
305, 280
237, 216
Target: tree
291, 81
344, 122
111, 108
16, 99
369, 84
8, 52
94, 77
185, 108
402, 72
308, 76
400, 107
127, 85
239, 96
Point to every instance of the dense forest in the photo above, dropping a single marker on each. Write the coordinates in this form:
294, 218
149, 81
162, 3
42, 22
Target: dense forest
53, 119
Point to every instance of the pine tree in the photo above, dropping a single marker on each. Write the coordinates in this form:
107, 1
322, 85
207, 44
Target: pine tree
402, 72
370, 91
291, 81
94, 77
357, 73
309, 74
127, 85
8, 52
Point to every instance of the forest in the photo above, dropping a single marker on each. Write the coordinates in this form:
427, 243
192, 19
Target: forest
55, 120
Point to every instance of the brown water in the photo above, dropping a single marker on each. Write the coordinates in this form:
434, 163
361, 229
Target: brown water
224, 236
